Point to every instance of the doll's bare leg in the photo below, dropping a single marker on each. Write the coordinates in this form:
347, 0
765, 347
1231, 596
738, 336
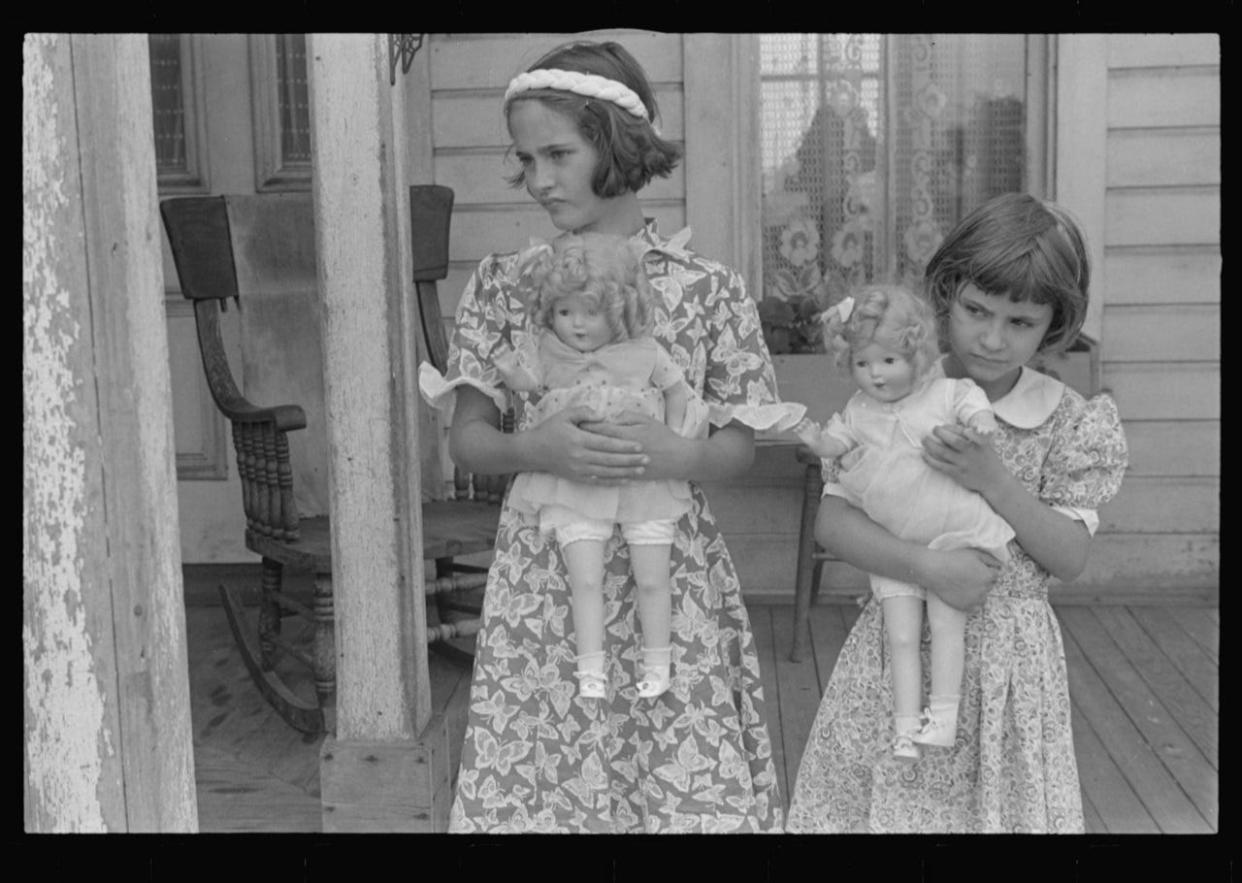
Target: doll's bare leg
650, 563
585, 561
948, 652
903, 627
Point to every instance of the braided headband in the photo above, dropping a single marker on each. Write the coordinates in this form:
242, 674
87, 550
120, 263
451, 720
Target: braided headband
588, 85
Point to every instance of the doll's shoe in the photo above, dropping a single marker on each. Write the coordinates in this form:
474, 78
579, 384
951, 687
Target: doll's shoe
904, 748
592, 684
939, 728
653, 683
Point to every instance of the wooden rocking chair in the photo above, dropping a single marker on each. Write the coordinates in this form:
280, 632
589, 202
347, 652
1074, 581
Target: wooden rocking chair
199, 234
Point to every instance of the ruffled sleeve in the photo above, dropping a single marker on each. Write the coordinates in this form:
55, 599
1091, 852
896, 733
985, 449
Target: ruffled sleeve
484, 327
1085, 465
739, 383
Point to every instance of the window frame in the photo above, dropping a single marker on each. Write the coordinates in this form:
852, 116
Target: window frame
272, 174
723, 177
195, 178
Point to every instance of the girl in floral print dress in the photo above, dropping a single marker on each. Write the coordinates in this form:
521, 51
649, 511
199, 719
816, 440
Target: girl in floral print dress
1009, 282
537, 756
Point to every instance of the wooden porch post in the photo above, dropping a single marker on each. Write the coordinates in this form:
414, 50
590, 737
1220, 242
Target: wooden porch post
107, 711
385, 768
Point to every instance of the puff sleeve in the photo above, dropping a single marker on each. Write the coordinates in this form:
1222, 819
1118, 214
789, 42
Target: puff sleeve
484, 328
739, 383
1085, 465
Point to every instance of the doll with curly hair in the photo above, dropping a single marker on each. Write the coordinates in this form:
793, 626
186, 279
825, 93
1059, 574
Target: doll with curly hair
886, 341
591, 300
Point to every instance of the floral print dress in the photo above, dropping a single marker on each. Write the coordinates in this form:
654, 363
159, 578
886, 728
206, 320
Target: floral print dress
537, 757
1012, 768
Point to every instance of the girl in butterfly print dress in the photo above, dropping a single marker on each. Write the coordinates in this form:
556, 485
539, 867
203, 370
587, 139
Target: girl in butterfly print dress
1009, 281
537, 757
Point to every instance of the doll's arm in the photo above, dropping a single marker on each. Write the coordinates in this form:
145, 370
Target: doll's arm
814, 436
983, 423
515, 375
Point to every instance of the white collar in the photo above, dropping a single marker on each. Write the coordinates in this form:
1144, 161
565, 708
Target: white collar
1031, 401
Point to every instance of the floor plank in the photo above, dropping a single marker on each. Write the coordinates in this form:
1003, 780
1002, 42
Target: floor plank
1117, 809
1190, 658
828, 631
1183, 702
1163, 798
800, 692
1199, 624
1159, 728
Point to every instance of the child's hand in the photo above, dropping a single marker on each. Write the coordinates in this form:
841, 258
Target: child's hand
961, 577
663, 447
966, 457
566, 444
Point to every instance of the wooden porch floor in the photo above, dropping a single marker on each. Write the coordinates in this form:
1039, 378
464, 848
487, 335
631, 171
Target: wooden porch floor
1144, 681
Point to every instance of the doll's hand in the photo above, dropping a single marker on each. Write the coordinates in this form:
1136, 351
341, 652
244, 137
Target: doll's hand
515, 376
566, 445
812, 435
961, 577
966, 457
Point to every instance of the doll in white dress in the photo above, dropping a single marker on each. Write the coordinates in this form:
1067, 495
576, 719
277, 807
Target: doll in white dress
590, 299
887, 342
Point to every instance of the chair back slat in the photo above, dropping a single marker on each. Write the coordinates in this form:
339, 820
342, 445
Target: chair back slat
198, 233
201, 241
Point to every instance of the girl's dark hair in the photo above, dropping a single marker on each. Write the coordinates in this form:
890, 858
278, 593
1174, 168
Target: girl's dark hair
1022, 247
631, 152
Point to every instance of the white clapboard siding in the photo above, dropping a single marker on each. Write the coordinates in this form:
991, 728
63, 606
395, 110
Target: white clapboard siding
1160, 333
1173, 447
1162, 216
1140, 97
1163, 274
1165, 390
1163, 505
1162, 50
1167, 333
1163, 157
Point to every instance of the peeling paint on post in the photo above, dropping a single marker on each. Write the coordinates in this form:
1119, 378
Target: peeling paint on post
64, 700
107, 728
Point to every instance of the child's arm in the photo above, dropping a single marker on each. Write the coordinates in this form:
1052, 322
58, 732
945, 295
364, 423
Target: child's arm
558, 445
961, 577
1057, 542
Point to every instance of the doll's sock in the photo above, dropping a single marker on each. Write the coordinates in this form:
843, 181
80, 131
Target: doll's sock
656, 662
940, 727
591, 681
905, 728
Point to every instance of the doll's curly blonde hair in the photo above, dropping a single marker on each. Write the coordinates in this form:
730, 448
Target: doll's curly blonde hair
604, 270
890, 315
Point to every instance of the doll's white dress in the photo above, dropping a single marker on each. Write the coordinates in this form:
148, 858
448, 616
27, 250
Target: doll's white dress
630, 375
885, 475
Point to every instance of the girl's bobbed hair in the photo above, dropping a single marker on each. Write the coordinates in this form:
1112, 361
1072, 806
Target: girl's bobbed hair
890, 315
631, 152
1022, 247
603, 269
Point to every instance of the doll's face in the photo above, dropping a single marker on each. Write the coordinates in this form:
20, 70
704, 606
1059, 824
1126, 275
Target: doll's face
580, 323
883, 374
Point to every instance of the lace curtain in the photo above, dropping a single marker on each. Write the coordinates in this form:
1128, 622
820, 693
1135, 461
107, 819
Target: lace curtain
873, 147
